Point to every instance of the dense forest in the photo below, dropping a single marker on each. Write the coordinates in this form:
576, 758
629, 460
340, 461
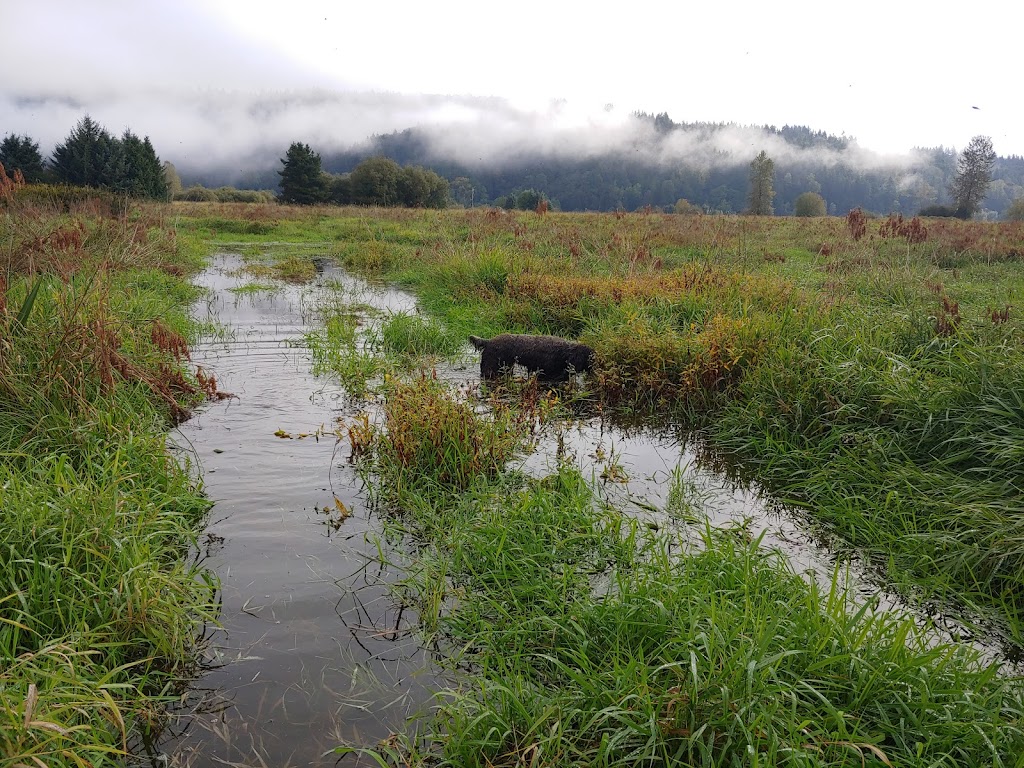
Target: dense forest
633, 177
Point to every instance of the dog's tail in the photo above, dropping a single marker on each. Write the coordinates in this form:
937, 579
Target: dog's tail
477, 342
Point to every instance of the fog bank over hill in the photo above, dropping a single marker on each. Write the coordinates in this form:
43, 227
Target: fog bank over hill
230, 134
598, 159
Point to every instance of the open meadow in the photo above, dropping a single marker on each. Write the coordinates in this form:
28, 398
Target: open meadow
866, 372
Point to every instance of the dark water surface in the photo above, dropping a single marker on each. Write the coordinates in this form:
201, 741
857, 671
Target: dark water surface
312, 653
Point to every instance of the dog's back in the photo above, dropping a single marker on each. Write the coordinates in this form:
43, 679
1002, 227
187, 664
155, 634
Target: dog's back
550, 356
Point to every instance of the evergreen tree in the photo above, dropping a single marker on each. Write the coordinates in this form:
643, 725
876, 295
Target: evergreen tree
762, 173
115, 174
84, 159
973, 175
149, 173
302, 178
20, 153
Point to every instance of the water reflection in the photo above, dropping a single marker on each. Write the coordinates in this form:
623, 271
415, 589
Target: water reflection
312, 652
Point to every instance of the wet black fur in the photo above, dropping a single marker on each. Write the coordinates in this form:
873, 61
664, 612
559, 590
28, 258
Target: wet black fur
548, 356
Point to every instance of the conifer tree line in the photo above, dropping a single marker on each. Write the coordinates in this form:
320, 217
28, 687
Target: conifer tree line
91, 157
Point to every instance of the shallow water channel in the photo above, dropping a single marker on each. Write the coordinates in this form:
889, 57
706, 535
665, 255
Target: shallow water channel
311, 652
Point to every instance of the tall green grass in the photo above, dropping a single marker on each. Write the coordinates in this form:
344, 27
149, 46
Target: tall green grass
872, 380
410, 336
905, 444
433, 443
100, 604
583, 638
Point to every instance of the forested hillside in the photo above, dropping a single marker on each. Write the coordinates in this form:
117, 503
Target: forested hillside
636, 176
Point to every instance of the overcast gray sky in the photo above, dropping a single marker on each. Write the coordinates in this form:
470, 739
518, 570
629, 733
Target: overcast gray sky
222, 80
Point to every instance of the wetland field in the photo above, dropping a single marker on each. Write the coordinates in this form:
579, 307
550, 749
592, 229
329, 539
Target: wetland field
260, 509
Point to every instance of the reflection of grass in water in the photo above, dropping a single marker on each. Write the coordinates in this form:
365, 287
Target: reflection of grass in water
684, 500
374, 679
261, 263
293, 268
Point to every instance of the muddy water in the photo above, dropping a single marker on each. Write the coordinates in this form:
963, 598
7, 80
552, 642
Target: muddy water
312, 653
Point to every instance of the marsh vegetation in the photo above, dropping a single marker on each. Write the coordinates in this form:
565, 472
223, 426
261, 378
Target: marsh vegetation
866, 372
100, 603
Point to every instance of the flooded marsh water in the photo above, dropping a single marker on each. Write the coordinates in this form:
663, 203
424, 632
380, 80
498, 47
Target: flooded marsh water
313, 652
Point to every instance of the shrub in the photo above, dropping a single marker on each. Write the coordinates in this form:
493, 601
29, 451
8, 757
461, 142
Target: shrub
810, 204
197, 194
435, 440
938, 211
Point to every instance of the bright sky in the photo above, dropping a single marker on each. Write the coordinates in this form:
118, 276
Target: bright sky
191, 73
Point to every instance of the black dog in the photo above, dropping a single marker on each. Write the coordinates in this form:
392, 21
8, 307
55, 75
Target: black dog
548, 356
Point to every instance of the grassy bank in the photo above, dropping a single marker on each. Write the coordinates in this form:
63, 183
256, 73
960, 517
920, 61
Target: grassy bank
100, 605
583, 638
869, 370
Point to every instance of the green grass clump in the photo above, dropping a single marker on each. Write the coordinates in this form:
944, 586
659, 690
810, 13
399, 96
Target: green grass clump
409, 335
434, 442
721, 658
906, 444
339, 351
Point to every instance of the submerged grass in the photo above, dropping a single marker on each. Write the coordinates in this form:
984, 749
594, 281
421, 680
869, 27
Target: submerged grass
99, 605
